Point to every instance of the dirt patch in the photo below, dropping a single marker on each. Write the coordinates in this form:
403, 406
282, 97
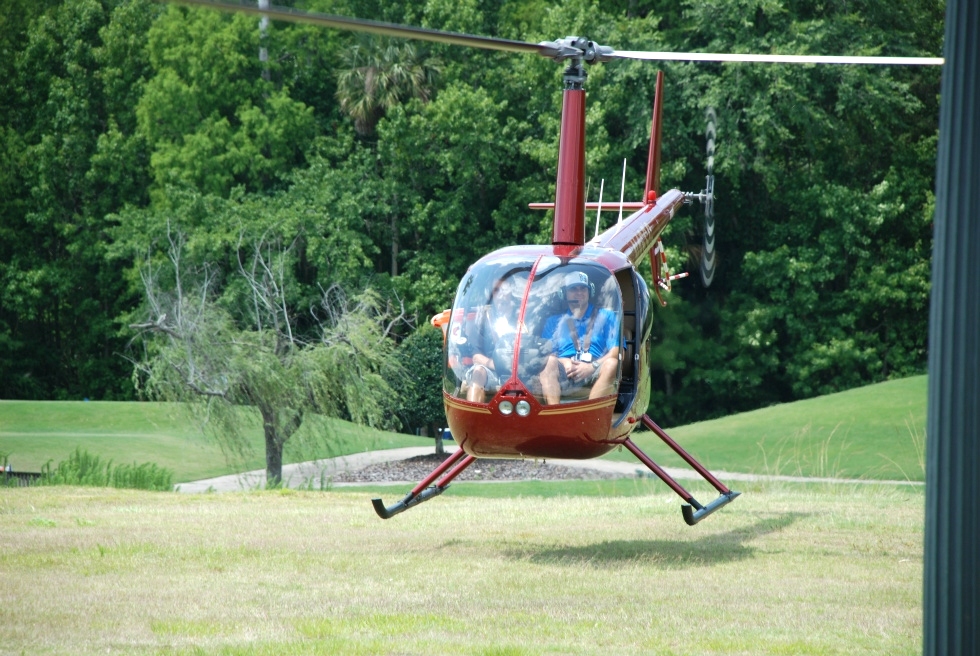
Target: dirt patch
484, 469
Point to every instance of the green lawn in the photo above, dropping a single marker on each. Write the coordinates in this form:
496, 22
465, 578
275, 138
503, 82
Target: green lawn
34, 432
873, 432
514, 569
820, 570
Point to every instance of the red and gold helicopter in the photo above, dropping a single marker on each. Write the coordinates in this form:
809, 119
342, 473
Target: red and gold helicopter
548, 347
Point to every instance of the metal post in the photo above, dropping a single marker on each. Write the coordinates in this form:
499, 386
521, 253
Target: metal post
263, 34
951, 581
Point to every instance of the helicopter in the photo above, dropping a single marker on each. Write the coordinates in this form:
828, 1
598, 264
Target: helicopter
547, 347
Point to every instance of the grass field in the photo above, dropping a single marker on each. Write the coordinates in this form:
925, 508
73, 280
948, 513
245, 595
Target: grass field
34, 432
875, 432
786, 569
488, 569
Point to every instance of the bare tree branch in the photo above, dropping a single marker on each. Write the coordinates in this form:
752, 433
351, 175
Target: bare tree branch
196, 349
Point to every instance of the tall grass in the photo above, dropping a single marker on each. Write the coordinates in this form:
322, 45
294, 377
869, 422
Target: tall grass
82, 468
800, 454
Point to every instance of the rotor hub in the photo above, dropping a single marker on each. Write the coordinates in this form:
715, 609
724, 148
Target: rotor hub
578, 50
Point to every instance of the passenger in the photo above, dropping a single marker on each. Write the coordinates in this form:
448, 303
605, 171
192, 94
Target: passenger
586, 343
497, 329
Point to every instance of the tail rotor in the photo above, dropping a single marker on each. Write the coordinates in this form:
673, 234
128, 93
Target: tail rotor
708, 261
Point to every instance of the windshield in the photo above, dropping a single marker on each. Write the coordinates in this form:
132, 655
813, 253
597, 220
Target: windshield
565, 326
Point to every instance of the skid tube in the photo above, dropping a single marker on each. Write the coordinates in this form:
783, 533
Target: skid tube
425, 490
693, 511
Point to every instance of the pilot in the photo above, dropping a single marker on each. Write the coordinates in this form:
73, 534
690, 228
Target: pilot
498, 327
586, 343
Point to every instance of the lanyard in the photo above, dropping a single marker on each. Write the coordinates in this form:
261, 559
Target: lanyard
570, 322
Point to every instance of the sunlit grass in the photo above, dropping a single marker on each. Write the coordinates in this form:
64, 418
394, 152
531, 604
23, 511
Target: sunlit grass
35, 432
785, 569
875, 432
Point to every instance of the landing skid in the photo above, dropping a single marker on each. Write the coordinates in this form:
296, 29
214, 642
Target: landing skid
428, 487
436, 483
693, 511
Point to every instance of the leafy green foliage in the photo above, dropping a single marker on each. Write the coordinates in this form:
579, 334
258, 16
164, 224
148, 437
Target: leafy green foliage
119, 117
824, 210
447, 163
420, 392
378, 74
68, 156
82, 468
212, 121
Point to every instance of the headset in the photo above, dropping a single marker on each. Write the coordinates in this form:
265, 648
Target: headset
576, 278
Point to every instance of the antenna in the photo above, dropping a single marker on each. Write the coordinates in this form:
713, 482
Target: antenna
599, 209
622, 192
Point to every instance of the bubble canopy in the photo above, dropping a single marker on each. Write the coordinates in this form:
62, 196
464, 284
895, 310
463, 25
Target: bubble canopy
548, 326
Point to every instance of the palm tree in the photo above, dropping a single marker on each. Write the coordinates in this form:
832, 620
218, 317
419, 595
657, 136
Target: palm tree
379, 73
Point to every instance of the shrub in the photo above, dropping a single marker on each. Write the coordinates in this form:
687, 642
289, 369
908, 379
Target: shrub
82, 468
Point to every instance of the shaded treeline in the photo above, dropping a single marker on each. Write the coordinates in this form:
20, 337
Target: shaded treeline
396, 165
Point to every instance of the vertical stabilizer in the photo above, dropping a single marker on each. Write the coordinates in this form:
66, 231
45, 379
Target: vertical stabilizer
653, 158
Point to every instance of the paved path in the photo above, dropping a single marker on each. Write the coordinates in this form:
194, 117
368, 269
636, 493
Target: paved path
316, 473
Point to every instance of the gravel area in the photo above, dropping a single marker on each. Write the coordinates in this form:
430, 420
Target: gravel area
484, 469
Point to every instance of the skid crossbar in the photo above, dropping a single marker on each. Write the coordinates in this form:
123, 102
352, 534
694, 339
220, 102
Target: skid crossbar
692, 511
450, 468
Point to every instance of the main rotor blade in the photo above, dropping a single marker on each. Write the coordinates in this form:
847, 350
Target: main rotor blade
776, 59
374, 27
549, 49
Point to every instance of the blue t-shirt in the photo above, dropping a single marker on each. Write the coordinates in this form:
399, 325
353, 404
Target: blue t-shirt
605, 332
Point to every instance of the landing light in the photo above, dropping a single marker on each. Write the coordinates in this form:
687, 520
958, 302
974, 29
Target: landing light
523, 408
506, 407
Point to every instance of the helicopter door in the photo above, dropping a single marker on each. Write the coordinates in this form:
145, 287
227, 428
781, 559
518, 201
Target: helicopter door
636, 329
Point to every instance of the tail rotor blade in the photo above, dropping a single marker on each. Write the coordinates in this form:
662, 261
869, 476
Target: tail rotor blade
708, 248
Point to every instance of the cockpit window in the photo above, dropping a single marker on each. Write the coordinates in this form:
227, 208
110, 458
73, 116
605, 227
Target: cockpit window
564, 325
485, 319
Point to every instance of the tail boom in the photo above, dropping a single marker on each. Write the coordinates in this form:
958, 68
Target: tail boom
636, 236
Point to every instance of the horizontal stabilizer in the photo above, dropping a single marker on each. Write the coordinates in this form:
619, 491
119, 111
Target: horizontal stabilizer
632, 205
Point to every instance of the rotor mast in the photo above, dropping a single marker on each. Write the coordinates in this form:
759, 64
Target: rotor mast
569, 225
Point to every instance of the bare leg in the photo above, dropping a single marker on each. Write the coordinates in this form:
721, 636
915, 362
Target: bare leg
549, 381
478, 384
605, 384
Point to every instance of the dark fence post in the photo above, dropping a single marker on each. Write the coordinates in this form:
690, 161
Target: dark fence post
951, 594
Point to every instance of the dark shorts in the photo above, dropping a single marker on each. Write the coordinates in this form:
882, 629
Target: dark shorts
493, 383
567, 383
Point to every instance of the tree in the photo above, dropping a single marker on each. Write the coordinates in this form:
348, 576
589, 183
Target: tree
68, 156
377, 74
129, 112
823, 183
420, 394
447, 163
222, 355
212, 121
